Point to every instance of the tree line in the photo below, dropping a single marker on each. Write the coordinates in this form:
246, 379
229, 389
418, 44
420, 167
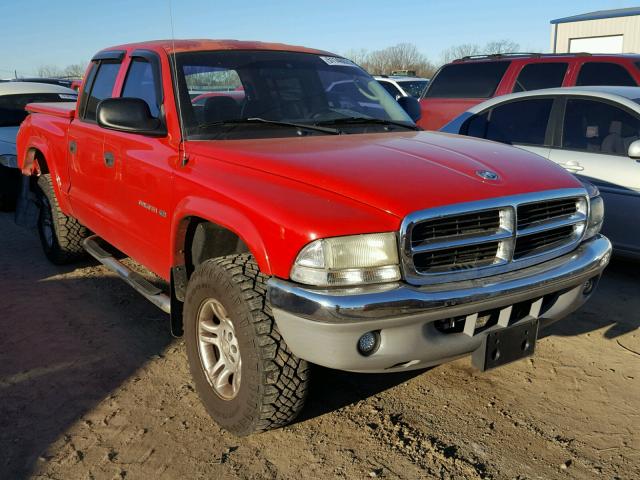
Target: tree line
406, 56
403, 56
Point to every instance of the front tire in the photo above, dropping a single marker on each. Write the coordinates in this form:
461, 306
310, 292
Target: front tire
61, 235
247, 378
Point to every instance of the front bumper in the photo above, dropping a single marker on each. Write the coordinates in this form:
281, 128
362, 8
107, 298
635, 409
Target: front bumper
323, 325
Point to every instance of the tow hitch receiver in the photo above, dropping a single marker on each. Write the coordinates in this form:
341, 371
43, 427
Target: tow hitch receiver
506, 345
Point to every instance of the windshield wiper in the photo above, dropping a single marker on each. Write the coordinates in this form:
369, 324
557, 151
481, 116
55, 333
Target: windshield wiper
254, 120
364, 120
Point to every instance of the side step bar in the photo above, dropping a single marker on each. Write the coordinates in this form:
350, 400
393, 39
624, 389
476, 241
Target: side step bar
138, 282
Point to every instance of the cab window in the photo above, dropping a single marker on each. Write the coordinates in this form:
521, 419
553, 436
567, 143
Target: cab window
467, 80
142, 83
101, 87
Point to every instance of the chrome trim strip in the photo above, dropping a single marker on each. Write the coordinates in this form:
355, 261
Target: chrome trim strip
552, 224
462, 241
394, 300
507, 204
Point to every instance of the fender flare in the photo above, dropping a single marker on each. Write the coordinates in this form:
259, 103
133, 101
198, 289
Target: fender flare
220, 214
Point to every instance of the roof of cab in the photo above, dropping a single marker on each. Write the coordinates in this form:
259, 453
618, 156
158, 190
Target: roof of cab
171, 46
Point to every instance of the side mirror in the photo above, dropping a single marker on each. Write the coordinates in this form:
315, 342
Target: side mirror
130, 115
412, 107
634, 150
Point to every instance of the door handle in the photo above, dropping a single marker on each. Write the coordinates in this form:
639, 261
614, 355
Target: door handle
73, 147
573, 166
109, 159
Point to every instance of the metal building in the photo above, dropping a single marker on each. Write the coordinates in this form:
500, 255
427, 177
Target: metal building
604, 31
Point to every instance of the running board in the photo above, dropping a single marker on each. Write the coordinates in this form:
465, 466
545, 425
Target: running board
138, 282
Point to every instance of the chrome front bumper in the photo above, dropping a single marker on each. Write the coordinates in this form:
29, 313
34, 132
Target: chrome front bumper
323, 325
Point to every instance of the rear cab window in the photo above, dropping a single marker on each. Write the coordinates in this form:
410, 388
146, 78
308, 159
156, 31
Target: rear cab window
535, 76
604, 73
467, 80
99, 85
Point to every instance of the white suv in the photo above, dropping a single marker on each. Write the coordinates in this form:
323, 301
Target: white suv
403, 86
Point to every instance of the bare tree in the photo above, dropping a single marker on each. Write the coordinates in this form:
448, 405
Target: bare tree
466, 49
459, 51
75, 70
501, 46
404, 56
49, 71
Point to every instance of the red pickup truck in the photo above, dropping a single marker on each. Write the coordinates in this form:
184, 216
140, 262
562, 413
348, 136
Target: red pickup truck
306, 221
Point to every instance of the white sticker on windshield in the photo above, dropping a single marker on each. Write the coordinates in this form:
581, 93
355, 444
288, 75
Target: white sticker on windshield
338, 62
66, 96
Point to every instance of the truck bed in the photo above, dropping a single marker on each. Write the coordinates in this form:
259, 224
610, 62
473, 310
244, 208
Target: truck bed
57, 109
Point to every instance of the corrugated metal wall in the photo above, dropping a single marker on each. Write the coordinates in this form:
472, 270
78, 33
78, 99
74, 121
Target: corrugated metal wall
627, 26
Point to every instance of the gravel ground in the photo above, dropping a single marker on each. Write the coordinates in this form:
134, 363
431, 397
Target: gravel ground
93, 386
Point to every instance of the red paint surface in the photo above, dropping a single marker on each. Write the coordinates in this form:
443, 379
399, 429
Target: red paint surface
276, 194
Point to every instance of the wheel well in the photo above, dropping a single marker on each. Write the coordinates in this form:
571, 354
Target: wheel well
201, 240
38, 156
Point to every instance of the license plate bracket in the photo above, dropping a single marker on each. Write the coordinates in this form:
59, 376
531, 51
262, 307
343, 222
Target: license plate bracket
506, 345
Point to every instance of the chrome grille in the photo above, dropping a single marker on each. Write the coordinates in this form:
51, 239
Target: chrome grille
483, 238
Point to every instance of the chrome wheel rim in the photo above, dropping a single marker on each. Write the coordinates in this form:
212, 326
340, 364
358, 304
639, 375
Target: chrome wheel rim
218, 349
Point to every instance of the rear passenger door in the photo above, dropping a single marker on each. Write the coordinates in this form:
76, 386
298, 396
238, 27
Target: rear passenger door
594, 139
521, 123
91, 179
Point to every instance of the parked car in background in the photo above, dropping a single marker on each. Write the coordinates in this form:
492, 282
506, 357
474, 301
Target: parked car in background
464, 83
403, 86
13, 98
593, 132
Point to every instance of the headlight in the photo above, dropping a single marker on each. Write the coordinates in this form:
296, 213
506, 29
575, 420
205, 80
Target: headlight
352, 260
596, 217
10, 161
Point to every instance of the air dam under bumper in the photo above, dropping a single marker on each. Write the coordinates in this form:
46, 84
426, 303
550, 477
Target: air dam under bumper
323, 326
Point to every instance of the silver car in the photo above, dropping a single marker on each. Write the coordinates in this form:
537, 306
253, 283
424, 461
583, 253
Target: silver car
14, 96
593, 132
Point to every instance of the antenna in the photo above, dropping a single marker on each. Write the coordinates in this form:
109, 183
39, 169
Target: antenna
185, 157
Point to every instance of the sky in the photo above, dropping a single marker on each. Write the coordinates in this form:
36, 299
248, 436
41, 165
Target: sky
42, 32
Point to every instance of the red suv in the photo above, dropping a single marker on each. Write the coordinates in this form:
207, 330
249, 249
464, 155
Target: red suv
468, 81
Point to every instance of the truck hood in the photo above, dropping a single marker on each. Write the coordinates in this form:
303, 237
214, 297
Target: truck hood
395, 172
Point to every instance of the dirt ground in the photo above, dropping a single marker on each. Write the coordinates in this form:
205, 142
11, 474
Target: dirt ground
93, 386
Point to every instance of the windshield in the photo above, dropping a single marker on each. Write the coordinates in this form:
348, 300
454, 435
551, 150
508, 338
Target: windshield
220, 90
415, 88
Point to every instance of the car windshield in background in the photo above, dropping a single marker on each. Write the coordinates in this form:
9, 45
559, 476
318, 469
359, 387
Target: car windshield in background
467, 80
12, 111
264, 94
415, 88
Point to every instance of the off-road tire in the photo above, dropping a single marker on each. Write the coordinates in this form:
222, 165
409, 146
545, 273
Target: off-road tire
61, 235
274, 381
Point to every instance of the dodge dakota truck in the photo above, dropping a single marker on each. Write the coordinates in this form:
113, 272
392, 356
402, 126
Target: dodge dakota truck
296, 215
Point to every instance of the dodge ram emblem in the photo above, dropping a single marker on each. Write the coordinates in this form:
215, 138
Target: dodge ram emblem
487, 174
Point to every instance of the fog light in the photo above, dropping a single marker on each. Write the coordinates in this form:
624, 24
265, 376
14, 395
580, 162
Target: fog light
368, 343
588, 286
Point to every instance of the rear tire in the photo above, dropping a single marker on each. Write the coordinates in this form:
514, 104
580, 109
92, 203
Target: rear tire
61, 235
246, 376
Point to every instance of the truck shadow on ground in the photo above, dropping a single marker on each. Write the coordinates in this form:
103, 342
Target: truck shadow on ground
67, 343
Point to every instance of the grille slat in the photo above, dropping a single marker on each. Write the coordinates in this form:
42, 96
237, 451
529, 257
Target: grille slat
467, 240
476, 223
532, 213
